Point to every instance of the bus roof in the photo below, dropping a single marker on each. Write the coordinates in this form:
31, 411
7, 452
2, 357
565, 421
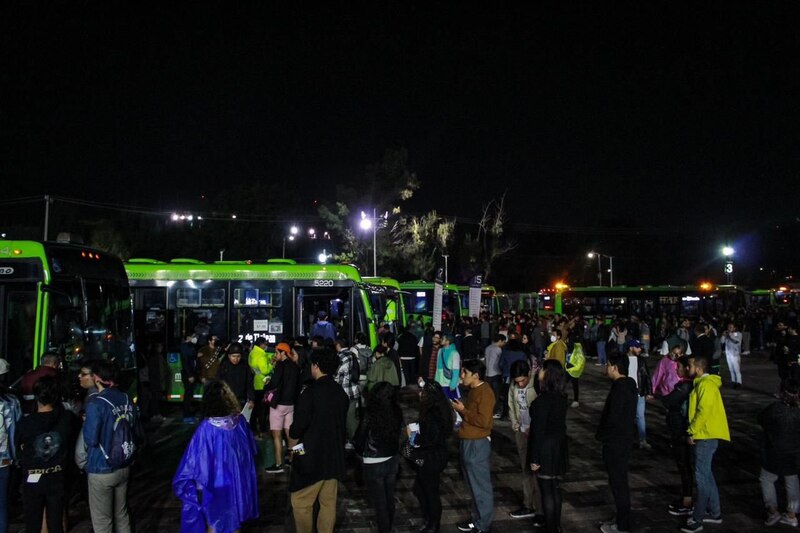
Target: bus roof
65, 260
138, 270
422, 284
383, 282
636, 288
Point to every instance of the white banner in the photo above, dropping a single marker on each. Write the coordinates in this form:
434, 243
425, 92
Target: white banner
438, 290
475, 295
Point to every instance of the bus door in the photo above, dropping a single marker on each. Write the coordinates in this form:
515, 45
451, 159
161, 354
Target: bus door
322, 296
17, 326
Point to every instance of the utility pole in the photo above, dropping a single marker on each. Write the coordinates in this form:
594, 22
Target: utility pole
46, 214
374, 244
445, 267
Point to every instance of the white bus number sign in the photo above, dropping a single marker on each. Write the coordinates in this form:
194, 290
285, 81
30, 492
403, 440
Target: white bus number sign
6, 271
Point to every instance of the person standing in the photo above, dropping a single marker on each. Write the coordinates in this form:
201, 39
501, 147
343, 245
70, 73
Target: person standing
677, 403
208, 359
708, 424
382, 369
780, 456
558, 348
108, 486
48, 366
44, 440
377, 441
238, 376
261, 365
448, 365
216, 478
615, 432
520, 397
601, 338
637, 370
322, 327
409, 354
494, 376
347, 376
547, 445
430, 446
319, 424
188, 349
732, 341
285, 385
476, 445
10, 413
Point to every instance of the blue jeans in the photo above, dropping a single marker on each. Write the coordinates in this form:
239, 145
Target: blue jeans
5, 472
707, 502
601, 352
641, 423
476, 466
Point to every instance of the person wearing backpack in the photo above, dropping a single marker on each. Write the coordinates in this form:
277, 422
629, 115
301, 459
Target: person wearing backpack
10, 413
109, 433
44, 440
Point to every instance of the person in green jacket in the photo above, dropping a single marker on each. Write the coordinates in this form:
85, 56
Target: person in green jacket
381, 369
261, 364
708, 424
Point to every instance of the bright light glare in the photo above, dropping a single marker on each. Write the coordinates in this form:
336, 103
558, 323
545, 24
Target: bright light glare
365, 223
323, 257
175, 216
590, 255
294, 230
233, 217
189, 217
311, 231
291, 237
727, 251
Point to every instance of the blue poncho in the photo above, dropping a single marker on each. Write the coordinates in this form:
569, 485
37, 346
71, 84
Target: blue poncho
216, 480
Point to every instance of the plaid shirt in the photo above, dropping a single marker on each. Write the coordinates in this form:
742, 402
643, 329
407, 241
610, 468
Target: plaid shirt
344, 376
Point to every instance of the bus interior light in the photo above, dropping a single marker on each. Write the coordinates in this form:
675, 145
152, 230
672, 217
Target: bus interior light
420, 294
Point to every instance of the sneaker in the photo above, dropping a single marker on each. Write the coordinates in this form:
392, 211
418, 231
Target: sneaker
523, 512
466, 526
538, 520
773, 518
644, 445
274, 469
678, 509
497, 416
574, 404
712, 520
610, 528
692, 526
787, 520
349, 446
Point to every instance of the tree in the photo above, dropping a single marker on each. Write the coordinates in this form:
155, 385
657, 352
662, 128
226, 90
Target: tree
480, 251
107, 238
419, 242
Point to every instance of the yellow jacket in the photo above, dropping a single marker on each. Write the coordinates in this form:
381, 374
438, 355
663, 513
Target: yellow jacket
707, 419
261, 363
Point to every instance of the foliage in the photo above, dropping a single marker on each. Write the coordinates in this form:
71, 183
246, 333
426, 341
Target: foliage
420, 242
481, 250
109, 239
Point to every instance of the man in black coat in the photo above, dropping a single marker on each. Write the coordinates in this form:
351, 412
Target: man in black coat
616, 430
319, 425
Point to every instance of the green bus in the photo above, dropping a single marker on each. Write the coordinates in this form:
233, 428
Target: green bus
67, 299
385, 298
242, 300
518, 302
418, 300
682, 300
489, 301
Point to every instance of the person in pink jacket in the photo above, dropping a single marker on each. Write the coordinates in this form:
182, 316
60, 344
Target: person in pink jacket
665, 376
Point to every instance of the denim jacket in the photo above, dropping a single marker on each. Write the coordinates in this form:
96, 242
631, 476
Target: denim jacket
99, 427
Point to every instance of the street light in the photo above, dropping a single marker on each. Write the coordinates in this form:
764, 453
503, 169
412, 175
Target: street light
728, 252
367, 224
610, 258
293, 231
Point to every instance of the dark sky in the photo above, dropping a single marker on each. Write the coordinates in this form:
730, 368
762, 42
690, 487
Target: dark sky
587, 113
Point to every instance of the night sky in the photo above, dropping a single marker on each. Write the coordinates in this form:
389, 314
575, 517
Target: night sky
648, 115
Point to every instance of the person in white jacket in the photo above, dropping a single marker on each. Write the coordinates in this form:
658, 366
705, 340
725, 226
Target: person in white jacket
732, 341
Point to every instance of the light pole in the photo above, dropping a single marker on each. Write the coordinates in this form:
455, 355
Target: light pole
728, 252
368, 223
445, 267
610, 258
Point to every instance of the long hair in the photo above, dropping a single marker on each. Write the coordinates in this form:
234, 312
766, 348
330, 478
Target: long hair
435, 404
384, 416
555, 377
219, 400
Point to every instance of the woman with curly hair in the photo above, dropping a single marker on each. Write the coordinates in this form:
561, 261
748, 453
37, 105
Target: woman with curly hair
216, 479
435, 427
377, 440
547, 443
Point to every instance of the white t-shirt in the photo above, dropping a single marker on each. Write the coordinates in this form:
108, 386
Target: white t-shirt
633, 369
524, 414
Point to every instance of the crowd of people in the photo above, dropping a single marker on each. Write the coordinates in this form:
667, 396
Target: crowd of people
300, 407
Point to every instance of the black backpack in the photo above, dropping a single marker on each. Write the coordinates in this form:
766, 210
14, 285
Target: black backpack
123, 440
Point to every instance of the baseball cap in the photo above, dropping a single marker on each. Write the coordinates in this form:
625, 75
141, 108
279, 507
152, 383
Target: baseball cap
633, 343
282, 346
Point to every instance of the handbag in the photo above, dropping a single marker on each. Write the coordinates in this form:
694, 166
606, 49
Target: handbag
411, 453
271, 398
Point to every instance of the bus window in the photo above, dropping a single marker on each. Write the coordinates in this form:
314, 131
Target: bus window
192, 316
690, 306
108, 323
334, 301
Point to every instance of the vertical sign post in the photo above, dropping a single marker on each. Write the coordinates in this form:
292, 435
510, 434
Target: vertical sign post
475, 295
438, 291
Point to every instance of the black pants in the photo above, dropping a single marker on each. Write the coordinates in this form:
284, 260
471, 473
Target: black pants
551, 503
496, 383
576, 388
259, 419
426, 489
46, 494
188, 396
409, 370
683, 459
615, 457
380, 479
